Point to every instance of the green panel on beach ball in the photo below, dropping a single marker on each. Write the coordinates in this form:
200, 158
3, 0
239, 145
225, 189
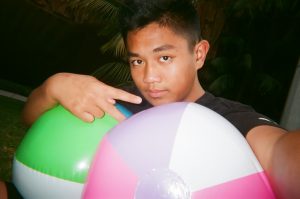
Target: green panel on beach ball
61, 145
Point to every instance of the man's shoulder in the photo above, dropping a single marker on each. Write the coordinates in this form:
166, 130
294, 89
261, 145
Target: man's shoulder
242, 116
221, 105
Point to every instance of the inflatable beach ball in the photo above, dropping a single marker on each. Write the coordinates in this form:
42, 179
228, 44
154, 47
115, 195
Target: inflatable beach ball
53, 159
176, 151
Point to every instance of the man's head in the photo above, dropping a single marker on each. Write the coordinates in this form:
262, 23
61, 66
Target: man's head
164, 49
178, 15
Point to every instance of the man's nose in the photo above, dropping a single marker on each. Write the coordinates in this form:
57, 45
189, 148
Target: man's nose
151, 74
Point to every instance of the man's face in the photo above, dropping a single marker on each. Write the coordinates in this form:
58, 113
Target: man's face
163, 66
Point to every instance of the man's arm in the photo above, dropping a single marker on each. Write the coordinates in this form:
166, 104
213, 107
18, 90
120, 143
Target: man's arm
278, 152
83, 95
3, 190
39, 101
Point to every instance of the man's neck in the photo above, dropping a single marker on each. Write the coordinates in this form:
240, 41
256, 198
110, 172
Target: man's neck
196, 92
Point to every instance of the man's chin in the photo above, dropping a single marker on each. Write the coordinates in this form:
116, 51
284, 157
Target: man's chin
159, 101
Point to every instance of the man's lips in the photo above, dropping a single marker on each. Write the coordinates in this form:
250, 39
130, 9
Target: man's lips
156, 93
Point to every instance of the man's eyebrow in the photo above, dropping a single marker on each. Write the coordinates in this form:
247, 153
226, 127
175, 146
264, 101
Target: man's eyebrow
163, 47
155, 50
131, 54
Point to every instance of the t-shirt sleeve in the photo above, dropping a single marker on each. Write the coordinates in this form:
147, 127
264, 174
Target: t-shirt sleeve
242, 116
244, 121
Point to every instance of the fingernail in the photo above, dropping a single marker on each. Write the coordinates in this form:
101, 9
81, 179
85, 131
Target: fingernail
139, 100
89, 117
112, 101
120, 119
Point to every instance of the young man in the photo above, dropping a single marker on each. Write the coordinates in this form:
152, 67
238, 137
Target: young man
165, 51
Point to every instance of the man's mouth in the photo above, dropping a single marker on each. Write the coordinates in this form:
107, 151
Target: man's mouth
156, 93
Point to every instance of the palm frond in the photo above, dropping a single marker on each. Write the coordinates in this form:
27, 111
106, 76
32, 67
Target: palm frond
115, 73
93, 11
115, 46
82, 11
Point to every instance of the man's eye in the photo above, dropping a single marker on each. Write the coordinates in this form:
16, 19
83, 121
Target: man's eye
165, 58
136, 62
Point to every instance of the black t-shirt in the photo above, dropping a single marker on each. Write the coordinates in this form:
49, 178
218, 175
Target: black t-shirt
242, 116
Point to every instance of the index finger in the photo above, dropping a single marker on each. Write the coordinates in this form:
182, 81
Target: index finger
120, 94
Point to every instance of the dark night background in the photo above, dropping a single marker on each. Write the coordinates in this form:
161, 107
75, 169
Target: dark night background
35, 44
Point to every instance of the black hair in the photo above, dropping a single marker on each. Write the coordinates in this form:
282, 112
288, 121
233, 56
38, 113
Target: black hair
179, 15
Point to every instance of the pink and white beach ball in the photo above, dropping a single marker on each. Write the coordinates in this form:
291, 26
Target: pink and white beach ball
176, 151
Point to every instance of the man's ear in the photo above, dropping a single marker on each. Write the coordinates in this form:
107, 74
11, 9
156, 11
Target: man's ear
201, 50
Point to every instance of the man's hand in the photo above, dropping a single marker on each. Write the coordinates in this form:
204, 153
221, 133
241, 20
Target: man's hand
83, 95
